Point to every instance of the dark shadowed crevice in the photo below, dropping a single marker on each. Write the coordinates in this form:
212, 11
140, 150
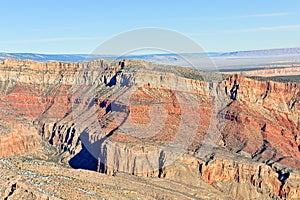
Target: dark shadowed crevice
84, 160
53, 134
12, 190
234, 90
161, 162
283, 176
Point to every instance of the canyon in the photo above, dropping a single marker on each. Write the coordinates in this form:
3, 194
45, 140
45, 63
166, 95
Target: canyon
98, 129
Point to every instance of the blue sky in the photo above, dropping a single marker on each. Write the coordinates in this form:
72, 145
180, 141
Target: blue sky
77, 26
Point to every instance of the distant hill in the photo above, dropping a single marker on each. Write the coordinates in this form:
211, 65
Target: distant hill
82, 57
44, 57
221, 60
266, 52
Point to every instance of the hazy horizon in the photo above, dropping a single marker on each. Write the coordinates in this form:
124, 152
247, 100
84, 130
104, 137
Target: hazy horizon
150, 53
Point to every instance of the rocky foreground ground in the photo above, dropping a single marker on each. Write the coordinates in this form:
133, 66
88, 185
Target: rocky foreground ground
96, 130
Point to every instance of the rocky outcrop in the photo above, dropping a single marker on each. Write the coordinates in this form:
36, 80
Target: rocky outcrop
245, 180
280, 71
262, 122
18, 141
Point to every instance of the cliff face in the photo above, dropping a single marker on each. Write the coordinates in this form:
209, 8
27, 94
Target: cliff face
234, 175
156, 121
21, 138
286, 71
33, 93
264, 121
